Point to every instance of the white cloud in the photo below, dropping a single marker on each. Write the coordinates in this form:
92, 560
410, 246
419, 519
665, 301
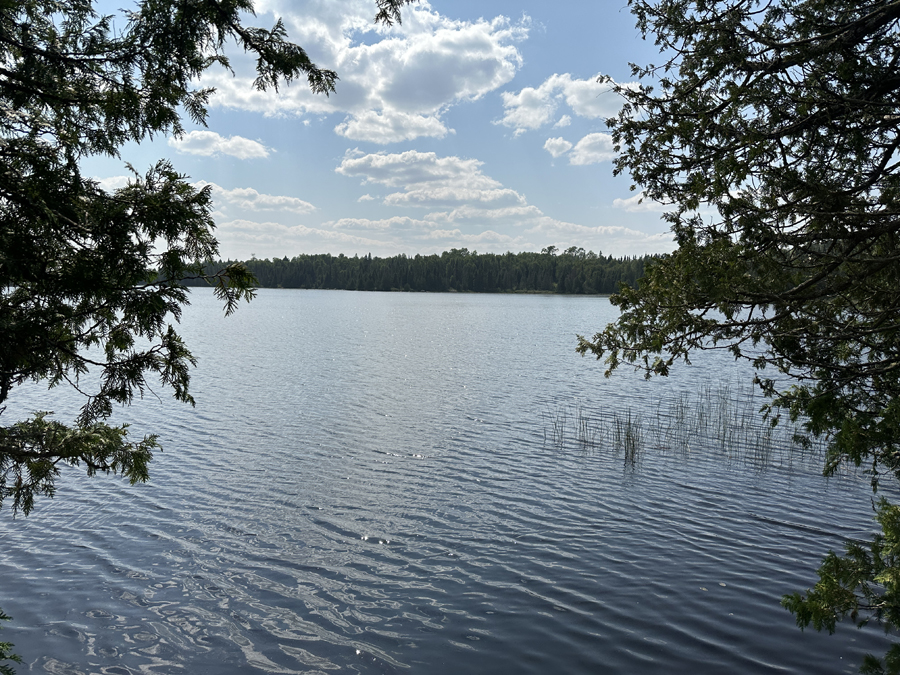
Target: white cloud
493, 240
395, 83
589, 98
533, 107
239, 238
638, 204
468, 204
251, 200
431, 196
564, 121
390, 127
471, 209
557, 146
412, 168
529, 109
209, 143
428, 180
592, 149
395, 223
366, 198
609, 240
113, 183
511, 215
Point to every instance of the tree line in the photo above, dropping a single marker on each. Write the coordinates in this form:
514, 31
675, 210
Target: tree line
573, 271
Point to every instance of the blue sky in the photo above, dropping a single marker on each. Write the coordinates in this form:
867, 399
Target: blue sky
474, 125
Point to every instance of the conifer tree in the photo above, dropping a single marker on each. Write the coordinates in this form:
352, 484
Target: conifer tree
770, 129
92, 279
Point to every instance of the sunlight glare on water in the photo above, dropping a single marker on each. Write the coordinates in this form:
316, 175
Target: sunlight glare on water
388, 483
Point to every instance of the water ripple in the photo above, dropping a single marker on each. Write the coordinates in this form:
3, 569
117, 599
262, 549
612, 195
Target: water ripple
379, 492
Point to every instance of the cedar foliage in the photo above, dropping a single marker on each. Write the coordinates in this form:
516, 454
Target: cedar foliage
772, 129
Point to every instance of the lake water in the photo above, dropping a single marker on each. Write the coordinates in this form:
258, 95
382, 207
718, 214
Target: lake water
418, 483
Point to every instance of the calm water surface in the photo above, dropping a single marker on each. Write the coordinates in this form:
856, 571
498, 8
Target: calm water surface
373, 483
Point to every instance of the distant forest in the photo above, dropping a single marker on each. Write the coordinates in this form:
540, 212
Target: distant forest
572, 271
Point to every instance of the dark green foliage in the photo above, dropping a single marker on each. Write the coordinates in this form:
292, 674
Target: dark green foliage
772, 132
573, 272
784, 119
862, 585
890, 665
33, 449
86, 275
92, 280
6, 652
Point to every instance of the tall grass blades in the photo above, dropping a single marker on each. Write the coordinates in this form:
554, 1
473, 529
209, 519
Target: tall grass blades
716, 421
629, 439
585, 430
555, 423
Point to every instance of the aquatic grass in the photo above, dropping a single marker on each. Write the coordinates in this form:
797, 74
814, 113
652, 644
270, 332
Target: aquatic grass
629, 438
717, 420
586, 430
555, 426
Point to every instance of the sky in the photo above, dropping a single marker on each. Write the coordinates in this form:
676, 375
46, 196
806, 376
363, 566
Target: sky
477, 125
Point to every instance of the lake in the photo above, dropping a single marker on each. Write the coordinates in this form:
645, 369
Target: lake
431, 483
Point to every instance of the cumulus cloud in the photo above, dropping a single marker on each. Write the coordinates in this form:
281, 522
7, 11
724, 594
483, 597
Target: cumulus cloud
610, 240
494, 240
564, 121
592, 149
366, 198
395, 223
113, 183
396, 83
251, 200
239, 238
413, 168
511, 215
471, 209
390, 127
557, 146
428, 180
638, 204
431, 196
533, 107
467, 208
209, 144
529, 109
